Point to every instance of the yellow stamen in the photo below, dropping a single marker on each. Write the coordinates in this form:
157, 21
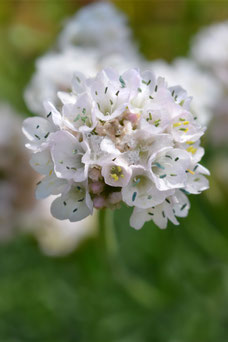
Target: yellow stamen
192, 149
185, 122
186, 130
50, 173
37, 164
119, 169
190, 171
177, 124
190, 142
115, 177
122, 176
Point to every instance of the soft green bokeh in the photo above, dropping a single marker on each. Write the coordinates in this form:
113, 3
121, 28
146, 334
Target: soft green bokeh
162, 286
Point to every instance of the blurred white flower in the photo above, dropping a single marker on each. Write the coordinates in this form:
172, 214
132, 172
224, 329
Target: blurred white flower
119, 137
210, 49
54, 72
100, 26
122, 61
203, 87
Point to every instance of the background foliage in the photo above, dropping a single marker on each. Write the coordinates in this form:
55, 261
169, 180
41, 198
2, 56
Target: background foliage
162, 286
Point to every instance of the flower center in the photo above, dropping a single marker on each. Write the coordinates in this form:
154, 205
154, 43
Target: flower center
182, 125
116, 173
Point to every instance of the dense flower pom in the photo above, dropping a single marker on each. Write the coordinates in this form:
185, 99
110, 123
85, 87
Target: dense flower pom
119, 138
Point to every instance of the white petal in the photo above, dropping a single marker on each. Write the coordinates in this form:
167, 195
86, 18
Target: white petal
203, 170
131, 79
107, 145
168, 168
138, 218
66, 97
109, 115
185, 128
50, 185
158, 214
196, 183
94, 154
52, 114
111, 100
142, 192
159, 217
42, 162
37, 130
78, 83
181, 96
181, 204
71, 206
80, 116
168, 210
155, 214
67, 155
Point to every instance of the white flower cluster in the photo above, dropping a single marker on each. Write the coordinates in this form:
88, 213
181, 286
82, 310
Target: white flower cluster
119, 138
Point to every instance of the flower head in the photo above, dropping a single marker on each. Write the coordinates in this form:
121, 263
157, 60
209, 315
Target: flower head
117, 138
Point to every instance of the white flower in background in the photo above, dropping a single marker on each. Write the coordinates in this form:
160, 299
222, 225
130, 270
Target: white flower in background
122, 61
100, 26
54, 72
210, 49
203, 87
119, 137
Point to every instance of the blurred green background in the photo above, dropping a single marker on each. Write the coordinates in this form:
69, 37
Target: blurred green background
163, 286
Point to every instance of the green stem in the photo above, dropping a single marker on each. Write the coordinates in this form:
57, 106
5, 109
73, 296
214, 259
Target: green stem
107, 236
144, 293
